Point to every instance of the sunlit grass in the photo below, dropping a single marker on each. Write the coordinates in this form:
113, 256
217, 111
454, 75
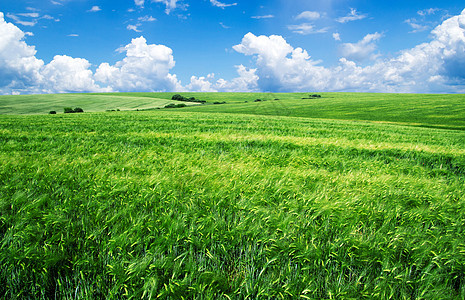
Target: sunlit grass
172, 204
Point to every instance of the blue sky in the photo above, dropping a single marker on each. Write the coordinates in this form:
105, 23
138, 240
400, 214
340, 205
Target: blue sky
52, 46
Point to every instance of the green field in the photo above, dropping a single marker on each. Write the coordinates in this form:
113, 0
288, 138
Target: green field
441, 111
331, 198
43, 104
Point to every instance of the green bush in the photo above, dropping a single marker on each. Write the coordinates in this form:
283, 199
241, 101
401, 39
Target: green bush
52, 112
172, 105
69, 110
178, 97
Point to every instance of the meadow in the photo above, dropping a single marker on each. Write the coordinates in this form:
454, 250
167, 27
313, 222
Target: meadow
217, 201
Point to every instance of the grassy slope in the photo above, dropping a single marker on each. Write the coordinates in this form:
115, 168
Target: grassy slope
178, 204
42, 104
444, 111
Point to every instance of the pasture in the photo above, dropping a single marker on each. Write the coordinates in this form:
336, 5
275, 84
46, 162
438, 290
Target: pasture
236, 201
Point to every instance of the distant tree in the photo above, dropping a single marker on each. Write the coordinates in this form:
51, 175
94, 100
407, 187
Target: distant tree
69, 110
177, 97
52, 112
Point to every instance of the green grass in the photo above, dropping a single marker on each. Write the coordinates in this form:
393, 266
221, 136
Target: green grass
176, 204
441, 111
43, 104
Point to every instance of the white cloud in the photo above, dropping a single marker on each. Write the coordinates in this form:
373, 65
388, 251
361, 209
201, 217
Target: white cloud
20, 21
306, 28
437, 66
363, 49
202, 84
31, 18
352, 16
263, 17
416, 26
245, 82
220, 4
308, 15
134, 27
170, 5
94, 9
29, 15
280, 67
145, 68
429, 11
336, 36
66, 74
73, 35
19, 68
139, 3
224, 26
147, 19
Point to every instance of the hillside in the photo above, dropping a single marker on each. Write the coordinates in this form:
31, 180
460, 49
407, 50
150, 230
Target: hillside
43, 104
175, 204
441, 111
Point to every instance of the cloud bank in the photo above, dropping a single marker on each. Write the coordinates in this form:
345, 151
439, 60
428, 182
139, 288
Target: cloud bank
436, 66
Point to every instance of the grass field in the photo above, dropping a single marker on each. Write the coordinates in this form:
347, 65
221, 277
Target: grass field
43, 104
204, 202
441, 111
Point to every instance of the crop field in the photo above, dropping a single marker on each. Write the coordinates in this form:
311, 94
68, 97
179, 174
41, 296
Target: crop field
43, 104
276, 199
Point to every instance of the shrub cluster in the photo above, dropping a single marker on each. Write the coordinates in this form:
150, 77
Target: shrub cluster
178, 97
172, 105
313, 96
217, 102
69, 110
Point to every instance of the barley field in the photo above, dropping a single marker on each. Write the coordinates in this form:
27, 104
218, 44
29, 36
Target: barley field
221, 202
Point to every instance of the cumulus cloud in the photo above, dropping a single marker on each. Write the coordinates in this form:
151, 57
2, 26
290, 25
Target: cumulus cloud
19, 68
280, 67
436, 66
220, 4
354, 15
336, 36
67, 74
145, 68
362, 50
247, 81
139, 3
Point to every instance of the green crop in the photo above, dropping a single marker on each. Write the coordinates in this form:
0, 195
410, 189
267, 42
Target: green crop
174, 204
